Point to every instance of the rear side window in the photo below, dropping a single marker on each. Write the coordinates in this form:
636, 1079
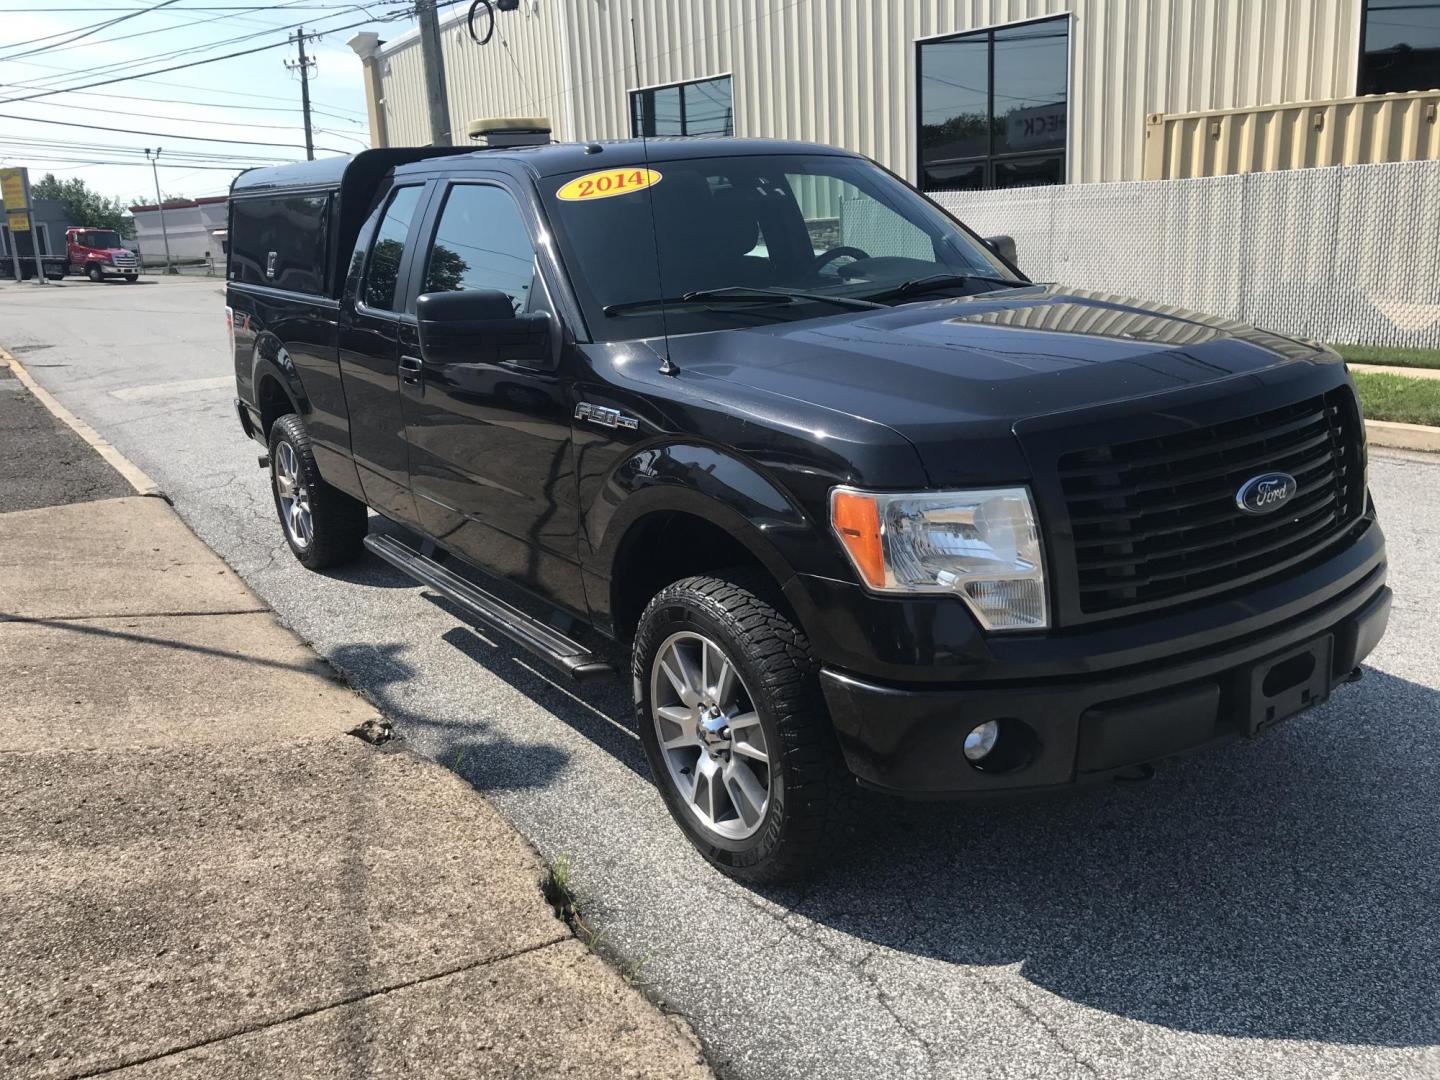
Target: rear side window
280, 241
387, 253
481, 243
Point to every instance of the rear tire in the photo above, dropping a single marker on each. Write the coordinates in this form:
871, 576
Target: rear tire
775, 697
323, 526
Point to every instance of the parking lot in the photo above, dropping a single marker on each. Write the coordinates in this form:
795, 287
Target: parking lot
1270, 909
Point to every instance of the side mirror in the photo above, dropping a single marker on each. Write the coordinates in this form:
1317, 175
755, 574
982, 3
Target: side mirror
1004, 246
480, 326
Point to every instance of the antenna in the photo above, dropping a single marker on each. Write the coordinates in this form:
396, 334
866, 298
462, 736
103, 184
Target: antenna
667, 367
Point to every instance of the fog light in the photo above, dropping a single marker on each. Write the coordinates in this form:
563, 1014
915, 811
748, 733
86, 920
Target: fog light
981, 740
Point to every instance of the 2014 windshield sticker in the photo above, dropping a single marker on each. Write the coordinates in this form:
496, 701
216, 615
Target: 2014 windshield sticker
607, 183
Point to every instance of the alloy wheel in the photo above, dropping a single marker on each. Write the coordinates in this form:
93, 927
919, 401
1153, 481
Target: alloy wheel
294, 496
710, 735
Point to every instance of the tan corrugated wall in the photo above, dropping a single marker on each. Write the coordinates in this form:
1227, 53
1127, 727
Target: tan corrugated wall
843, 71
521, 72
1350, 131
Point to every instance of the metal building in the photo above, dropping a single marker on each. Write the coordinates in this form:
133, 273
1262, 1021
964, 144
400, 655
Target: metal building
953, 94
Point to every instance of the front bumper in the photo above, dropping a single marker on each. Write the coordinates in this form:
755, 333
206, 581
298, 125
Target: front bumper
1066, 730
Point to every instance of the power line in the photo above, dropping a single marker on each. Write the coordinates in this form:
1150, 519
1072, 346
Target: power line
151, 116
161, 134
84, 31
254, 8
67, 46
182, 101
72, 146
174, 85
173, 67
188, 50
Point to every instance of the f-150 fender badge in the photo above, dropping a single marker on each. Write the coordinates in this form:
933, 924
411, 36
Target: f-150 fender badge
605, 417
607, 183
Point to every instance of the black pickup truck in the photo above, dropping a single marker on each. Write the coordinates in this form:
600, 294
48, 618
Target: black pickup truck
862, 503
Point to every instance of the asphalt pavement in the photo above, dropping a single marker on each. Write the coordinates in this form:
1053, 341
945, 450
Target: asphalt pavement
1270, 909
72, 472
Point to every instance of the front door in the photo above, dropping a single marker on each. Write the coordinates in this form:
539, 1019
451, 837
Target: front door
490, 456
370, 356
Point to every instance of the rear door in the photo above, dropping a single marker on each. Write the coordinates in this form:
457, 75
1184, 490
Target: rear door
369, 336
489, 431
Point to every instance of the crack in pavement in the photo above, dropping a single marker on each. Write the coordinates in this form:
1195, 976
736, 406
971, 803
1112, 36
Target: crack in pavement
301, 1014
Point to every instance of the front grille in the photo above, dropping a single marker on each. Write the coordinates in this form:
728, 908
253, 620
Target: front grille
127, 259
1156, 519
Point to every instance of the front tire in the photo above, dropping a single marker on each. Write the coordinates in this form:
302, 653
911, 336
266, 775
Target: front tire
95, 274
323, 526
732, 719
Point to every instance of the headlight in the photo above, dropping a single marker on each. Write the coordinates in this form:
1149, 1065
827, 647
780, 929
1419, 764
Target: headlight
983, 546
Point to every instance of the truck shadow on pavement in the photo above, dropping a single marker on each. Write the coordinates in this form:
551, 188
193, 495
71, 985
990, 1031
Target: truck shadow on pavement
1283, 888
1289, 888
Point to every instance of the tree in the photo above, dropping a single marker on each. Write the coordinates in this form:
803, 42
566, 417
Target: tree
446, 271
86, 207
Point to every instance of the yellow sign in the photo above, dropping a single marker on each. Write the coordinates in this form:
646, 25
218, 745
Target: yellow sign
607, 183
18, 220
12, 188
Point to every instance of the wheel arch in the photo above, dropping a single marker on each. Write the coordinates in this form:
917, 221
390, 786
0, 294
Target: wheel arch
677, 510
276, 383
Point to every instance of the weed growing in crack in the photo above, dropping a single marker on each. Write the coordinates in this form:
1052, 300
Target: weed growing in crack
558, 893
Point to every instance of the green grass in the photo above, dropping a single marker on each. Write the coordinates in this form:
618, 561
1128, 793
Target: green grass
1384, 354
1399, 397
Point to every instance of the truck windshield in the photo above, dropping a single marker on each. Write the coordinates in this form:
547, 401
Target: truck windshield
98, 239
753, 239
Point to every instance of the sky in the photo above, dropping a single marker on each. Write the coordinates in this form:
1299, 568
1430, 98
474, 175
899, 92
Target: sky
251, 99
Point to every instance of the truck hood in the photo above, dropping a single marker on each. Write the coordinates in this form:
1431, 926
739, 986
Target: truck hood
972, 367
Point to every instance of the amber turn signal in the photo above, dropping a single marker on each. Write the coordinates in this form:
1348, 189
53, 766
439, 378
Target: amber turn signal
856, 520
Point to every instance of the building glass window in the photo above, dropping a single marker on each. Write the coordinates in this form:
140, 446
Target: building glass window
703, 107
994, 107
1400, 46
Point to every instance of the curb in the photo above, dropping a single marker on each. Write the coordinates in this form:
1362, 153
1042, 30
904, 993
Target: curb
132, 473
1399, 436
1395, 369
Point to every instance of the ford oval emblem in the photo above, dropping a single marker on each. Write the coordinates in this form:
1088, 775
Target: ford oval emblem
1265, 493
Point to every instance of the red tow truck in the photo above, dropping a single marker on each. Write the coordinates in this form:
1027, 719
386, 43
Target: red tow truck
98, 253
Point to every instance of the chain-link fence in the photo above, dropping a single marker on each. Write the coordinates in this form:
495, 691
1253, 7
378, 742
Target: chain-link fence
1345, 254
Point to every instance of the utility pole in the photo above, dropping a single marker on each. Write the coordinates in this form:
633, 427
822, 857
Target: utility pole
434, 60
160, 203
304, 65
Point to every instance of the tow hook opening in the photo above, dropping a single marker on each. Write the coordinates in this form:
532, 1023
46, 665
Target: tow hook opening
1142, 773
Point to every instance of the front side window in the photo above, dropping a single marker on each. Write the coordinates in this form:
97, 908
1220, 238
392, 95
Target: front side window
387, 253
703, 107
758, 238
994, 107
1400, 47
481, 243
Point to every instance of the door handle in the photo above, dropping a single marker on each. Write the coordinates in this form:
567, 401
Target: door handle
411, 369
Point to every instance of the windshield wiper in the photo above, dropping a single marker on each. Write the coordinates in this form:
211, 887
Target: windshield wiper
742, 294
745, 292
934, 282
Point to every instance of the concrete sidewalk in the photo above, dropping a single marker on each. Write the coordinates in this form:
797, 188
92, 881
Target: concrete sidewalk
202, 874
